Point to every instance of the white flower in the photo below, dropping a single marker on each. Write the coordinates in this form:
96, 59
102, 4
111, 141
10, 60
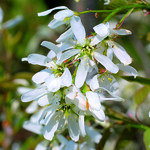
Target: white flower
105, 85
59, 17
54, 117
55, 76
103, 30
86, 52
89, 102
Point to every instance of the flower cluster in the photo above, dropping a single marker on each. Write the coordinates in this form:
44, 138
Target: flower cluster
77, 75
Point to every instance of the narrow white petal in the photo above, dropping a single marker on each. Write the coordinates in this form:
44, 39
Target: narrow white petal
66, 78
94, 84
42, 101
62, 139
33, 127
112, 95
63, 37
73, 128
42, 145
93, 100
102, 29
51, 54
71, 146
78, 29
97, 39
66, 55
106, 62
81, 125
121, 53
1, 15
61, 15
82, 71
51, 46
51, 127
121, 32
40, 77
94, 135
11, 23
55, 23
44, 13
99, 115
37, 59
33, 94
53, 83
32, 107
110, 53
78, 99
129, 69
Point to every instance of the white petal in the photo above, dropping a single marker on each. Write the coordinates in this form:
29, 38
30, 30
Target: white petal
121, 53
66, 55
36, 59
121, 32
61, 15
71, 146
53, 83
65, 36
99, 115
40, 77
78, 99
51, 46
112, 95
1, 15
81, 125
82, 71
66, 78
73, 128
78, 29
33, 127
93, 100
97, 39
110, 53
62, 139
33, 94
51, 127
11, 23
32, 107
42, 101
94, 84
48, 110
106, 62
55, 23
42, 145
102, 29
129, 69
51, 55
94, 135
44, 13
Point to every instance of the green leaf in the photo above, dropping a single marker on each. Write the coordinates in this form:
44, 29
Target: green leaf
147, 139
141, 94
125, 138
103, 140
117, 3
141, 80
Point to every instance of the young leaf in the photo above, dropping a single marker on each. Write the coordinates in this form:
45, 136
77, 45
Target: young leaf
141, 80
147, 139
141, 94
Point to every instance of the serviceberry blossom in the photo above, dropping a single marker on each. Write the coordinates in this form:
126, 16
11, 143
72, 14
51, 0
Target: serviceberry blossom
86, 52
60, 18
